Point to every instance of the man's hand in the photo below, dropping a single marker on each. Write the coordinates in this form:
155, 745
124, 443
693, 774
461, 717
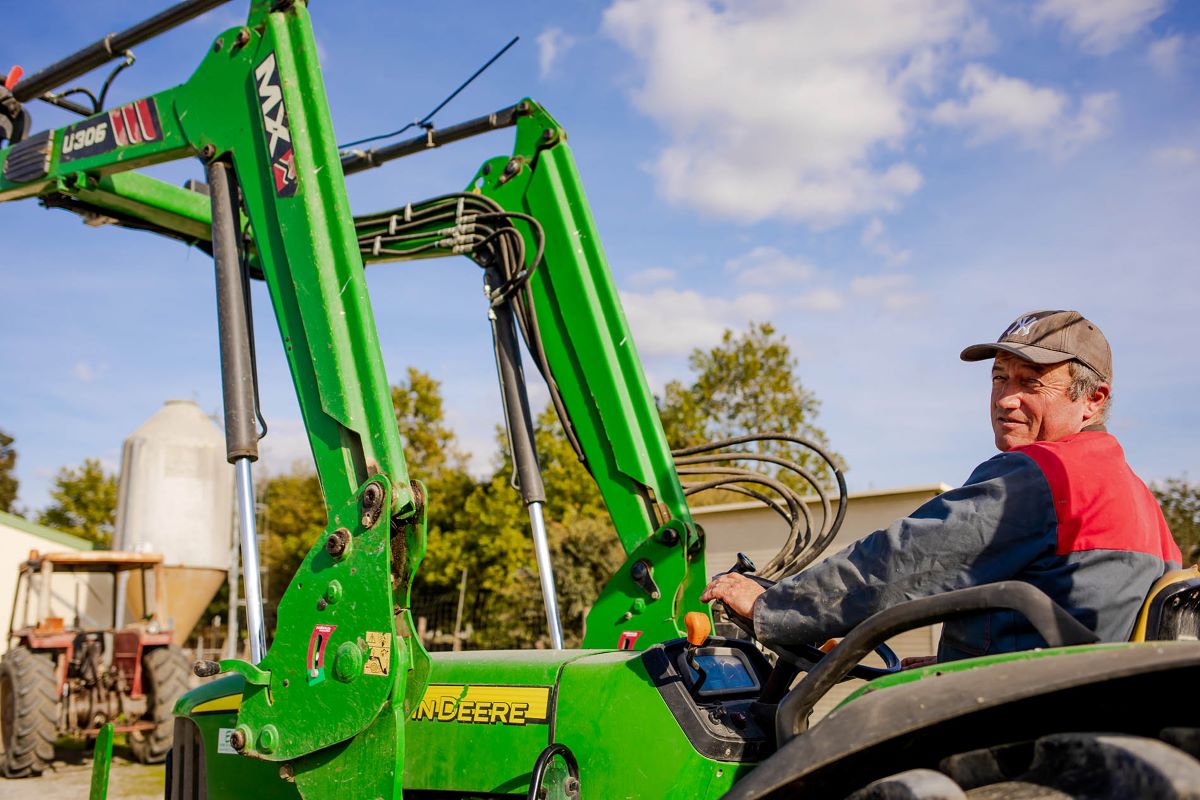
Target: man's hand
737, 591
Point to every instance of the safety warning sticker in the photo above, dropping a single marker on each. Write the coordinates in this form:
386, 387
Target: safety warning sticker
485, 704
379, 656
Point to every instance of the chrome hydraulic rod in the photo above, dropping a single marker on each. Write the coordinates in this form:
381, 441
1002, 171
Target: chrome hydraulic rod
255, 627
541, 550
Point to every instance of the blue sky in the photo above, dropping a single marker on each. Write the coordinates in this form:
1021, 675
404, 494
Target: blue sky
885, 181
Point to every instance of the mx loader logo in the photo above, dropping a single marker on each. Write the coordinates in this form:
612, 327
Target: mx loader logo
275, 126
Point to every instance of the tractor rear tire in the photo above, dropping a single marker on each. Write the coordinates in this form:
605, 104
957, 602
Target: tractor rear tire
1063, 766
29, 709
165, 675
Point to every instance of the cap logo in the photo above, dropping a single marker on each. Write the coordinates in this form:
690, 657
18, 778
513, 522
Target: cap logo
1022, 327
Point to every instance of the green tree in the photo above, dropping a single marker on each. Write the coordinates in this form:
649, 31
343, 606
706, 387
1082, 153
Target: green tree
430, 448
293, 509
292, 517
1180, 502
746, 384
585, 554
85, 503
8, 480
487, 532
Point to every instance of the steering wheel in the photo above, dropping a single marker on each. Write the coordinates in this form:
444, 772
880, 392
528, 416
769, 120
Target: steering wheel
800, 654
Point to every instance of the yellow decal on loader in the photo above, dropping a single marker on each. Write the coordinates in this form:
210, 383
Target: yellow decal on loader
380, 658
485, 704
230, 702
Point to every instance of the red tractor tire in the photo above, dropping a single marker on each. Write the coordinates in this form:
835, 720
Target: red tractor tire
28, 712
166, 673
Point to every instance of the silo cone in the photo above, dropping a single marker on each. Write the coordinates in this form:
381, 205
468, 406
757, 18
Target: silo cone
176, 498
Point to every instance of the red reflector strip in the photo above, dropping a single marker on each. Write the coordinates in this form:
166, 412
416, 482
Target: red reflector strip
149, 133
131, 124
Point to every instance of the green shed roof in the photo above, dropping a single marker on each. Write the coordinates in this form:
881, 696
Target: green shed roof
41, 531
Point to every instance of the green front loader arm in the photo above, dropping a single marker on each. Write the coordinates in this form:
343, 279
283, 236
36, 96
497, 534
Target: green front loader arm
594, 364
590, 354
328, 699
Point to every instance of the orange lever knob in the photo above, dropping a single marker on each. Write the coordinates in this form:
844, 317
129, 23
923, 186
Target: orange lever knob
698, 628
14, 75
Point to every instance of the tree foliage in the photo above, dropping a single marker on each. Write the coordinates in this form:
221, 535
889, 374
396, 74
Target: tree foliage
486, 530
84, 503
430, 447
747, 384
1180, 502
292, 517
8, 478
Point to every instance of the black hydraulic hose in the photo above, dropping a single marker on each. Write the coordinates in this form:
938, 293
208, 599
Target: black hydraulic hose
543, 763
1048, 618
796, 553
709, 458
420, 228
233, 316
110, 47
769, 502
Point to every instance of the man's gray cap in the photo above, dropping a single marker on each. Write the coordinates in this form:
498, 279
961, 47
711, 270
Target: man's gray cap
1050, 337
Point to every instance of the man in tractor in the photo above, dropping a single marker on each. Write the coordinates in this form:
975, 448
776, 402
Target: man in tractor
1058, 508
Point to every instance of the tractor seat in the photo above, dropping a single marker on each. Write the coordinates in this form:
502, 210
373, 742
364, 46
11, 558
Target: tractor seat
1172, 608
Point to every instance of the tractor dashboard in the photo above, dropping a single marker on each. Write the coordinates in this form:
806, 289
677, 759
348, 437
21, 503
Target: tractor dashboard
719, 714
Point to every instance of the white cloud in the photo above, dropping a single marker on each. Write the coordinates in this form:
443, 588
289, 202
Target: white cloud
1101, 26
872, 231
873, 239
553, 43
998, 106
87, 372
1176, 156
789, 110
652, 277
879, 284
893, 291
818, 300
285, 447
671, 322
1164, 54
769, 267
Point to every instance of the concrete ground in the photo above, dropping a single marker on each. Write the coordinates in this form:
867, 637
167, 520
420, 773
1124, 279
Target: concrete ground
70, 778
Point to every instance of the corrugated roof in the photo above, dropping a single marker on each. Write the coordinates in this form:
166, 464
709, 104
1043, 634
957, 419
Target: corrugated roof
41, 531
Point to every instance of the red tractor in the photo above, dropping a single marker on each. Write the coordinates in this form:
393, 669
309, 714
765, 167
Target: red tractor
70, 679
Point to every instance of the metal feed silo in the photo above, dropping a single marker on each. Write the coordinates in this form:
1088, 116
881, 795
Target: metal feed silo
176, 498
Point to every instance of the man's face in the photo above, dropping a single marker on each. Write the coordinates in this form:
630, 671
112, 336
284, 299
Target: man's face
1030, 403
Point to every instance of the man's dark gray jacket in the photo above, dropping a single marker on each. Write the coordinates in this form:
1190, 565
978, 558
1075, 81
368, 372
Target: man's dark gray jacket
1069, 517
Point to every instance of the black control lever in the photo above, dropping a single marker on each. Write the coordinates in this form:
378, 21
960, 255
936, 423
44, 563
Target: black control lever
745, 567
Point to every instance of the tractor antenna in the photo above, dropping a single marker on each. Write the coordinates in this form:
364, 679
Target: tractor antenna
424, 122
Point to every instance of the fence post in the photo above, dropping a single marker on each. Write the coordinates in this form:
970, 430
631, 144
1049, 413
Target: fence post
462, 594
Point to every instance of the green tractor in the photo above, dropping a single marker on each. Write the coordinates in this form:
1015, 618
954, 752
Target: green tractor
346, 702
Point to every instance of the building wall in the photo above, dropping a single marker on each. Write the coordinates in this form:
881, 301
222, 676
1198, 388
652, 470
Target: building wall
759, 532
17, 538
